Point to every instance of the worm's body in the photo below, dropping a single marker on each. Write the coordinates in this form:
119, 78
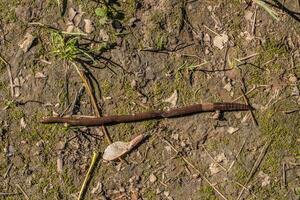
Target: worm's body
176, 112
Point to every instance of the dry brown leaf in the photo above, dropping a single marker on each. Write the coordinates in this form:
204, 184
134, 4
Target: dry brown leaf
88, 26
172, 99
118, 149
220, 40
27, 43
71, 14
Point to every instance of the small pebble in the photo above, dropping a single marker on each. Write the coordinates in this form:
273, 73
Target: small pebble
152, 178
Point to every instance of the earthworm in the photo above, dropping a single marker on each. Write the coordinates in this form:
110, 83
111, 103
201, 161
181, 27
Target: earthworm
172, 113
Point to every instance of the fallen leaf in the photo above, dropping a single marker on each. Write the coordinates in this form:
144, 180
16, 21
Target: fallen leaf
214, 168
221, 158
248, 15
207, 39
228, 86
172, 99
232, 130
10, 150
220, 40
40, 75
265, 179
23, 123
71, 14
97, 189
70, 28
77, 18
152, 178
118, 149
88, 26
293, 78
295, 91
104, 35
247, 35
27, 43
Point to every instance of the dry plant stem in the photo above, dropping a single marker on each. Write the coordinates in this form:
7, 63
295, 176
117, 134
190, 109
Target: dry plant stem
256, 165
197, 170
237, 155
254, 22
6, 194
291, 111
11, 83
88, 176
251, 90
251, 112
96, 155
93, 100
283, 184
8, 170
246, 57
177, 112
23, 192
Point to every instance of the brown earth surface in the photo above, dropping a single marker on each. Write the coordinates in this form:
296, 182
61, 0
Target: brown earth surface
137, 54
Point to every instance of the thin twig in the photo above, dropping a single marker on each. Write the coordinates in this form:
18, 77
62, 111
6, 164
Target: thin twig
93, 100
96, 155
246, 57
197, 170
11, 83
24, 193
211, 30
256, 165
283, 185
251, 112
88, 176
251, 90
254, 22
8, 170
237, 155
5, 194
291, 111
76, 103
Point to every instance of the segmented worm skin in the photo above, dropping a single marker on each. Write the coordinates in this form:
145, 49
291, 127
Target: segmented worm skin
172, 113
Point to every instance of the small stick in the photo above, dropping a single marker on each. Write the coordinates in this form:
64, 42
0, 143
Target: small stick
256, 165
236, 157
176, 112
251, 90
88, 176
283, 185
197, 170
11, 82
76, 102
254, 22
251, 112
5, 194
211, 30
8, 170
96, 155
246, 57
24, 193
291, 111
93, 100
